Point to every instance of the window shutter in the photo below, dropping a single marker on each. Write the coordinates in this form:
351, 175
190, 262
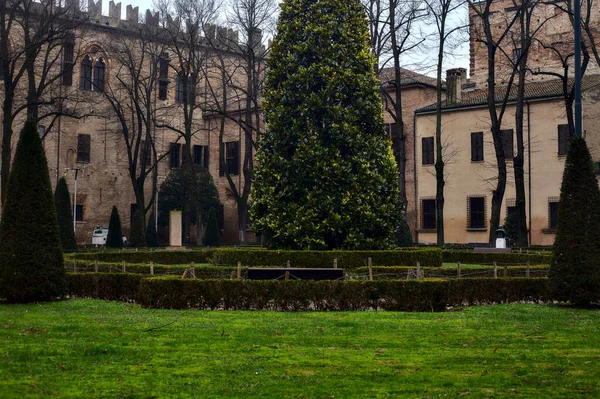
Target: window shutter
236, 157
174, 151
477, 146
563, 139
222, 164
508, 144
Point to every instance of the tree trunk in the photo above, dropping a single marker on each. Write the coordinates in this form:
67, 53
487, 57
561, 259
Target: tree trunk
242, 208
6, 143
439, 161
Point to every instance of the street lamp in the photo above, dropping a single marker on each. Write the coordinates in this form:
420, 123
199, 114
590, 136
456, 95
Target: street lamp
76, 170
578, 112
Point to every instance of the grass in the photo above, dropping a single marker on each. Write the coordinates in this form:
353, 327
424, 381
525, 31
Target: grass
97, 349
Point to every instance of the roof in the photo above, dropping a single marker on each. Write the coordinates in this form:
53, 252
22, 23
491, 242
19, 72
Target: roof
407, 78
533, 91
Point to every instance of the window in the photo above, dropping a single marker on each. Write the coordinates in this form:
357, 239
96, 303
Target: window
185, 85
86, 74
427, 144
83, 148
78, 212
553, 213
428, 214
507, 144
68, 52
175, 150
563, 139
163, 75
517, 55
201, 155
232, 157
476, 213
99, 75
41, 131
477, 147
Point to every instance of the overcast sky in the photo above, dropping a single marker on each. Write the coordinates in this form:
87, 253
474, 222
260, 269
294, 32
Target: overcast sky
423, 62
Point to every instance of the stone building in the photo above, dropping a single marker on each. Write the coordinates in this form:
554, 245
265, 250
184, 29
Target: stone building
92, 146
471, 168
552, 39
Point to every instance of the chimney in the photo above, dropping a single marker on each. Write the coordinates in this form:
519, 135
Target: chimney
454, 81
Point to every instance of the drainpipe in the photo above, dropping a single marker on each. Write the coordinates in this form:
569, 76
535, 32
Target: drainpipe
529, 164
416, 202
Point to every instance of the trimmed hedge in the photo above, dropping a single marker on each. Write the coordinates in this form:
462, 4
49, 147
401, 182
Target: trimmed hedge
159, 257
488, 258
298, 295
110, 286
201, 271
346, 259
400, 272
252, 257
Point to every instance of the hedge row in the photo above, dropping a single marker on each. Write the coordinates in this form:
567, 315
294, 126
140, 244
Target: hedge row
257, 257
402, 272
501, 258
110, 286
161, 257
345, 259
393, 295
201, 271
298, 295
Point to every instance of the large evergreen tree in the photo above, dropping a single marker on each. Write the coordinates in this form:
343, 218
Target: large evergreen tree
575, 268
325, 175
31, 257
115, 234
212, 238
64, 211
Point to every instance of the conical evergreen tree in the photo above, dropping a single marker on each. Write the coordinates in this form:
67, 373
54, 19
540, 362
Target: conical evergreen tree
212, 238
325, 175
31, 258
575, 268
115, 234
64, 211
138, 230
151, 235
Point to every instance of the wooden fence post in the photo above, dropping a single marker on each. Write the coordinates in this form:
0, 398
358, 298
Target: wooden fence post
370, 264
335, 263
505, 271
96, 266
152, 268
418, 270
287, 264
192, 270
527, 270
74, 265
495, 270
458, 268
239, 270
123, 266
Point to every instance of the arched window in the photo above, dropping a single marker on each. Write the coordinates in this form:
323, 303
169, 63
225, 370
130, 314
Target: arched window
86, 74
99, 75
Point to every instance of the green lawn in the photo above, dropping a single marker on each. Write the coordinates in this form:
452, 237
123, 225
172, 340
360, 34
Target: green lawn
91, 349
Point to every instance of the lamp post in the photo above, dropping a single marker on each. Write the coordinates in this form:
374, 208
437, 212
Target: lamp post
76, 170
578, 112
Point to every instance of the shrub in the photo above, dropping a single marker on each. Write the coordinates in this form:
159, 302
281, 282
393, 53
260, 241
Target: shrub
31, 257
115, 235
158, 257
64, 212
575, 268
212, 238
325, 175
404, 272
